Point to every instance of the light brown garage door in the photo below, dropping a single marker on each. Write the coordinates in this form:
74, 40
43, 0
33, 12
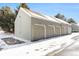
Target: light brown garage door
62, 30
38, 31
49, 31
65, 30
57, 30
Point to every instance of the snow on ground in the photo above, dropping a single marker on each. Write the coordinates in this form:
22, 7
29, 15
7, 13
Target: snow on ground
70, 51
10, 37
43, 47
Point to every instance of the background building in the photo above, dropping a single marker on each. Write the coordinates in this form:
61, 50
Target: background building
75, 27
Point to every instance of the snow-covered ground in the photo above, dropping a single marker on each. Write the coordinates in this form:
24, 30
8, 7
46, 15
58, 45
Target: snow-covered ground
8, 38
70, 51
50, 46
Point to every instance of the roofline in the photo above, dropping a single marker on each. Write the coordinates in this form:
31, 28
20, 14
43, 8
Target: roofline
52, 19
25, 11
62, 21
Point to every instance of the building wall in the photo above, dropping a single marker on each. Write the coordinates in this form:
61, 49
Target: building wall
64, 26
23, 25
38, 28
50, 31
65, 29
61, 24
42, 29
62, 29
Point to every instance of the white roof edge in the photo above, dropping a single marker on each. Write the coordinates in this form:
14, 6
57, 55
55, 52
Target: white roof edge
31, 13
51, 19
25, 11
61, 20
38, 17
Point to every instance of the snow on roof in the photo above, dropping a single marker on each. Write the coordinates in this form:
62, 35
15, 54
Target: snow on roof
64, 22
51, 19
38, 15
33, 13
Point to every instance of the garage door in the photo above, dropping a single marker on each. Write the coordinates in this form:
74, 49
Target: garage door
57, 30
49, 31
65, 30
38, 31
62, 30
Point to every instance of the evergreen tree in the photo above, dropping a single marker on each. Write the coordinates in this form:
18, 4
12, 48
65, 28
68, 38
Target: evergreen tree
71, 20
60, 16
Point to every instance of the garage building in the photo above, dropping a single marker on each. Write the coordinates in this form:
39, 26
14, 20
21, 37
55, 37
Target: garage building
32, 26
65, 26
